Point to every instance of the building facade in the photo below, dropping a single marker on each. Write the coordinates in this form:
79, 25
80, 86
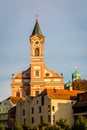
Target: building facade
4, 108
37, 77
50, 106
80, 107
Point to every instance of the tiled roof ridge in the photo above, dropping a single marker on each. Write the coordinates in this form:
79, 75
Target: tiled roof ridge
62, 94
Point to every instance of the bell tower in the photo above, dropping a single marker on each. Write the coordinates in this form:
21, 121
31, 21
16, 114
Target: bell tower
36, 59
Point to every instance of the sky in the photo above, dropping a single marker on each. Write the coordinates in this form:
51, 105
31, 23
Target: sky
62, 22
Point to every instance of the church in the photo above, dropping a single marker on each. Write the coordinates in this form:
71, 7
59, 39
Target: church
37, 77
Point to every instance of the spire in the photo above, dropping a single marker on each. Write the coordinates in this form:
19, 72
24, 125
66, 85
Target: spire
37, 29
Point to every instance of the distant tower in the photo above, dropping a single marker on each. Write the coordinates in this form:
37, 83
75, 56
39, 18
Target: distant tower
76, 75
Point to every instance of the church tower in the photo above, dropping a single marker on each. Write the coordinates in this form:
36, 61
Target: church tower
41, 77
37, 77
36, 59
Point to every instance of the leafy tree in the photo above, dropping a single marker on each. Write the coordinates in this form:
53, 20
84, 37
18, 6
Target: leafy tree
2, 127
80, 124
43, 125
26, 126
18, 126
63, 124
53, 127
80, 84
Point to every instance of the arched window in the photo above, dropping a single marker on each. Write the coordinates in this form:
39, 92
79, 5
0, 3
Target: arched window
37, 52
37, 73
18, 94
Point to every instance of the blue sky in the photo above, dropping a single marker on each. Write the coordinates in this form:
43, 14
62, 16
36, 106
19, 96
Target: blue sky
62, 22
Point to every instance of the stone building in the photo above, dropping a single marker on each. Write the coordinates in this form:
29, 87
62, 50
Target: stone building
37, 77
50, 106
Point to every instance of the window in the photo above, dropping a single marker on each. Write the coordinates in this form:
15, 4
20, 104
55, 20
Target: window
42, 100
53, 108
81, 97
47, 74
32, 110
37, 101
28, 101
37, 93
41, 119
49, 118
39, 109
37, 73
53, 118
20, 103
32, 120
18, 94
48, 108
24, 120
23, 112
37, 52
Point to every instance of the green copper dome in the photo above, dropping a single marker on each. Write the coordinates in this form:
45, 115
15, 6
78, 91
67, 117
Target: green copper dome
68, 84
76, 75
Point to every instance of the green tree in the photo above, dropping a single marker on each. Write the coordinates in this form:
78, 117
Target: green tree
63, 124
26, 126
80, 124
18, 126
2, 127
43, 125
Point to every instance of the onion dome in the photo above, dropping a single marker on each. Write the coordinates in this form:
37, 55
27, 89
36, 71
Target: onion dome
76, 75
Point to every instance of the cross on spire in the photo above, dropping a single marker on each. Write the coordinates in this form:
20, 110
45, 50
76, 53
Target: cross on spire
36, 17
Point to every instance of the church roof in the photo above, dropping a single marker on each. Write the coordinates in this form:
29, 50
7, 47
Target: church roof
37, 29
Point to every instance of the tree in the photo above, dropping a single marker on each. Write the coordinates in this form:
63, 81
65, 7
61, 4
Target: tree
18, 126
43, 125
63, 124
53, 127
26, 126
2, 127
80, 84
80, 124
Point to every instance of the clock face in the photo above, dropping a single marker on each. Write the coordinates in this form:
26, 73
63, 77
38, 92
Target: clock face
37, 43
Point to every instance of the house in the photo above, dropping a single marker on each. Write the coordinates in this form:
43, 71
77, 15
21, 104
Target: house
4, 108
80, 107
50, 106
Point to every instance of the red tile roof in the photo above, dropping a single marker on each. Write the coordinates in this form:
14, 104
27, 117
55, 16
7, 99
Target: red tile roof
62, 94
14, 100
